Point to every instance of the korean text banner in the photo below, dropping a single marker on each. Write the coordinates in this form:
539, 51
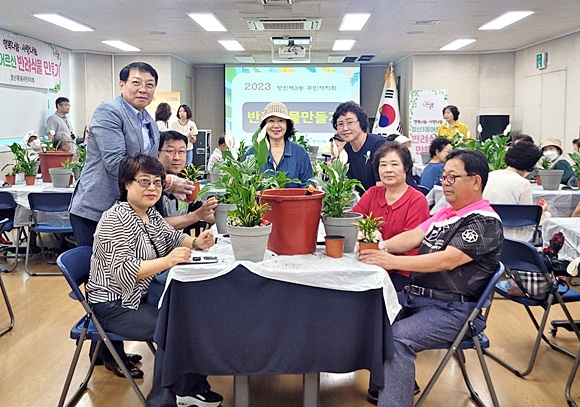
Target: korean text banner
311, 94
26, 62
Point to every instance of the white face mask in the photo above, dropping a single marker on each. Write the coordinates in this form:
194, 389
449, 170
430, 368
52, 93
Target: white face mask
35, 143
552, 155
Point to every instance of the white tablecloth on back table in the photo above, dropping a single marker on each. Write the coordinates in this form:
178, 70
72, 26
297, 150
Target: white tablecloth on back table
570, 227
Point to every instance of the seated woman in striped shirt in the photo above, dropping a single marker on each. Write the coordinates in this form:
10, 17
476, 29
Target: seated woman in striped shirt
132, 244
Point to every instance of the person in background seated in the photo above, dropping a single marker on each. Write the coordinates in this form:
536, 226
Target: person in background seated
284, 155
32, 143
576, 145
552, 148
404, 140
162, 115
132, 244
459, 250
216, 155
438, 150
61, 142
351, 123
453, 125
337, 141
510, 186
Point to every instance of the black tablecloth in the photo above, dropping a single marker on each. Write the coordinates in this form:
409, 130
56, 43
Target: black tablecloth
244, 324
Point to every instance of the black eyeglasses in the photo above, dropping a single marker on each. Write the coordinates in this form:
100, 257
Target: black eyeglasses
451, 178
146, 183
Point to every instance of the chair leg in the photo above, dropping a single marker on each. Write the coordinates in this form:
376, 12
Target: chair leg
486, 374
460, 358
573, 372
8, 307
83, 386
540, 328
50, 273
16, 252
151, 347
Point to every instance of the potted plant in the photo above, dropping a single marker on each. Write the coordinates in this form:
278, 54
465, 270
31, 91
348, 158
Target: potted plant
241, 179
576, 165
191, 172
11, 175
339, 196
369, 227
28, 165
548, 177
52, 158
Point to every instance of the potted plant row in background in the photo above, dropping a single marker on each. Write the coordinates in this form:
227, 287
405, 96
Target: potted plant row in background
24, 163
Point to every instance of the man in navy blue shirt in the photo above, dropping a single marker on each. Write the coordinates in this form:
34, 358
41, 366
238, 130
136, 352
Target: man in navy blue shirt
351, 123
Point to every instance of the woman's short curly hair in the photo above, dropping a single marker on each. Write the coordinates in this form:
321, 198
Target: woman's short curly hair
401, 150
523, 156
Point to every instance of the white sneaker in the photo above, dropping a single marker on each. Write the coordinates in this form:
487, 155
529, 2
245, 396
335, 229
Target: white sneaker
207, 399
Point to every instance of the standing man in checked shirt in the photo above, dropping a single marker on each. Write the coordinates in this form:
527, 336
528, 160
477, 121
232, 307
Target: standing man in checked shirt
351, 124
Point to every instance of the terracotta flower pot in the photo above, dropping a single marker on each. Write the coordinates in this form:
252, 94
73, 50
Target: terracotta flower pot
334, 246
52, 159
364, 246
10, 179
191, 197
30, 179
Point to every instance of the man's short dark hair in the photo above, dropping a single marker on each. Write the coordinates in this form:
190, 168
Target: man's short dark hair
171, 135
522, 137
129, 167
401, 150
140, 66
438, 144
351, 106
61, 100
474, 163
221, 140
523, 156
454, 111
186, 109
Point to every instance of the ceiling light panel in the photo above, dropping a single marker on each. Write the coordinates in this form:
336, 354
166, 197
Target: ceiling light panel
343, 45
505, 19
354, 21
207, 21
63, 22
455, 45
123, 46
232, 45
245, 60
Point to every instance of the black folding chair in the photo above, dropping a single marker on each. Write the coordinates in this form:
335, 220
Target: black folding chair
49, 202
4, 292
467, 338
7, 210
518, 255
75, 266
515, 216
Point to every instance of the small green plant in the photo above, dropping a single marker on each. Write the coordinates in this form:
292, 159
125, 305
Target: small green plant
47, 145
301, 140
545, 163
368, 226
494, 148
14, 170
338, 189
191, 172
576, 166
22, 157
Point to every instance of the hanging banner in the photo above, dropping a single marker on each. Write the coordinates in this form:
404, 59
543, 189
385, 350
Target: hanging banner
425, 118
26, 62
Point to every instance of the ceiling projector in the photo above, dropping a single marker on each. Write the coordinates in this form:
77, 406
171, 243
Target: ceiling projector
292, 51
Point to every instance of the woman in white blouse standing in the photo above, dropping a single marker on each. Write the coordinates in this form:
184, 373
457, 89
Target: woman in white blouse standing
132, 244
187, 127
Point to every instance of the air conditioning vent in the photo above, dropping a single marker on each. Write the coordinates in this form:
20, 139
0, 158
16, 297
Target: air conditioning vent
277, 2
286, 25
427, 22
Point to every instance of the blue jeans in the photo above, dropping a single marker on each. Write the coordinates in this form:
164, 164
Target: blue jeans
189, 157
423, 323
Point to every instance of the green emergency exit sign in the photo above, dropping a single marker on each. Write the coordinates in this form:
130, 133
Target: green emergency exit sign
542, 60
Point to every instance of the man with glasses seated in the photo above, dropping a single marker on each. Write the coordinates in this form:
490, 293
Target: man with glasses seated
173, 207
351, 124
459, 249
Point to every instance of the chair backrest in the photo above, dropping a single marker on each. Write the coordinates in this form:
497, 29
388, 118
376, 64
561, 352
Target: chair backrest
7, 207
515, 215
423, 189
75, 265
519, 255
49, 201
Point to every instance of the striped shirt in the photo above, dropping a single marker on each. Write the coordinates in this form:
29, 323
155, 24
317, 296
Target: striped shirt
122, 241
